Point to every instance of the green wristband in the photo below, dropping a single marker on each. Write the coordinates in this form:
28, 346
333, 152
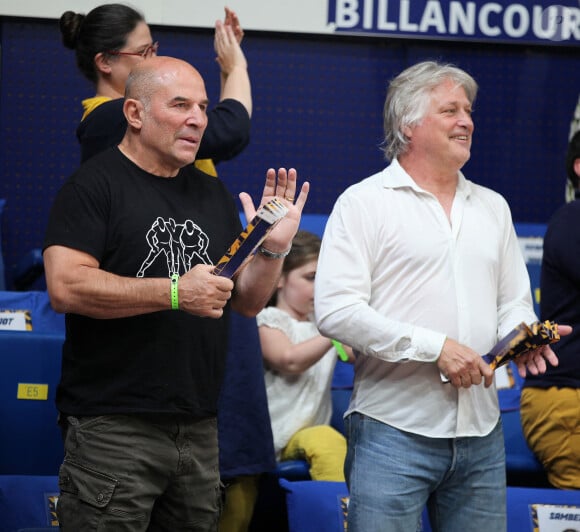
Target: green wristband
174, 292
340, 350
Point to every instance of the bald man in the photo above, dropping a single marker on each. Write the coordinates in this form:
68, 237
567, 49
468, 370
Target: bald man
146, 334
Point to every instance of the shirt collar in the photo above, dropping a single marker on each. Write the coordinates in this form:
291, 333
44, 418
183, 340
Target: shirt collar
394, 176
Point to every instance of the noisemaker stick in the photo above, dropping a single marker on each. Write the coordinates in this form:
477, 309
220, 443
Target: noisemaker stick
251, 237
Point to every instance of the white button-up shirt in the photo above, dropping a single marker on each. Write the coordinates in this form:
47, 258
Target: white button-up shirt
395, 278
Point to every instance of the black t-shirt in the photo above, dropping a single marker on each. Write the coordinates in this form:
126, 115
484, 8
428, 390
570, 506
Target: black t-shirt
140, 225
226, 135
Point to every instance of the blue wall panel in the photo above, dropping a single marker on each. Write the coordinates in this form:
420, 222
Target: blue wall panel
317, 106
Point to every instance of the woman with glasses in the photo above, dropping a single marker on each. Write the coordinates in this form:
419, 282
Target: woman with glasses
111, 39
108, 42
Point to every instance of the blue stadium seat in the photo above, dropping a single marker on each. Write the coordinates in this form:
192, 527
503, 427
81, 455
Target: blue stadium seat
340, 401
271, 512
522, 466
317, 506
2, 273
31, 358
292, 470
41, 317
28, 502
299, 469
28, 269
31, 441
45, 529
520, 501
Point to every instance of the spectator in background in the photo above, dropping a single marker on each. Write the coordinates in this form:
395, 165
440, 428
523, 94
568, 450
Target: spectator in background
574, 127
420, 271
144, 356
111, 39
298, 367
550, 403
108, 42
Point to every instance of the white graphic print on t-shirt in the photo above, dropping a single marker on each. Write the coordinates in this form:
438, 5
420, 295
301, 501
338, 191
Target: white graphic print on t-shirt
178, 243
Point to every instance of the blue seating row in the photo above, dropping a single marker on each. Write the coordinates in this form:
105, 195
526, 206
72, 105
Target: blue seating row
316, 506
30, 373
28, 501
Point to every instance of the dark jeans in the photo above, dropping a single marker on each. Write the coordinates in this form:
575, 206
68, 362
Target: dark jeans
139, 473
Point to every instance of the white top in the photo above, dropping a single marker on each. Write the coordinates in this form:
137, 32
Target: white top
394, 279
297, 401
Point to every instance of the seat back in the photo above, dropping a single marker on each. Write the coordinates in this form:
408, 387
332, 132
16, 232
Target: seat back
28, 502
320, 506
340, 401
524, 506
2, 272
31, 443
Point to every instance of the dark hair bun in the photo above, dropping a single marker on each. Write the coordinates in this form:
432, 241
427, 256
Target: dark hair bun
70, 27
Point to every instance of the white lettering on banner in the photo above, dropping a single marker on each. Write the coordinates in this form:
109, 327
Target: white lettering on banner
545, 22
490, 19
483, 19
382, 22
512, 13
570, 24
549, 15
432, 17
458, 16
404, 23
368, 15
347, 15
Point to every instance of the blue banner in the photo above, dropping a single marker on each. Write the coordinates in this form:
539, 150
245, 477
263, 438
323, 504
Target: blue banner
542, 22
